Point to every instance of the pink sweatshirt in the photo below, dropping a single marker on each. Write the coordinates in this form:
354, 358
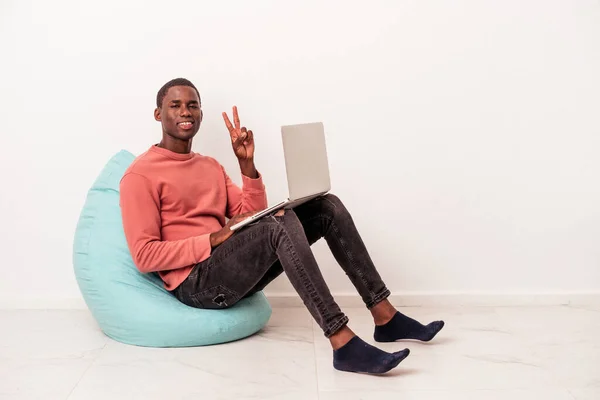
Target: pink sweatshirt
171, 203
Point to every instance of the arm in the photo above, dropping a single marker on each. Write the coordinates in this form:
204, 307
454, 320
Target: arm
142, 224
252, 196
248, 169
241, 203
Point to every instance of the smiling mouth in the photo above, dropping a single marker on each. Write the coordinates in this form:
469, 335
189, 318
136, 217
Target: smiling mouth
185, 124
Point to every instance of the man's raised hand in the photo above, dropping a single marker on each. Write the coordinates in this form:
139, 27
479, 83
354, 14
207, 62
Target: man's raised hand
242, 140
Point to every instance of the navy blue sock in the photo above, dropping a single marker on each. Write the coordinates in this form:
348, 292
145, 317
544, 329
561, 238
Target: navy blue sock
403, 327
359, 356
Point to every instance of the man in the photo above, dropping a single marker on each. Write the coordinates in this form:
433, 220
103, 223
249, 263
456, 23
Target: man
175, 204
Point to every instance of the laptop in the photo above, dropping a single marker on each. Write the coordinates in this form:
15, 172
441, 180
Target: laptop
306, 166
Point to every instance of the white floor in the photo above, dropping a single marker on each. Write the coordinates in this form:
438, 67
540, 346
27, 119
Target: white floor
550, 353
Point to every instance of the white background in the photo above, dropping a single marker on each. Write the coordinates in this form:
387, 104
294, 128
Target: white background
463, 135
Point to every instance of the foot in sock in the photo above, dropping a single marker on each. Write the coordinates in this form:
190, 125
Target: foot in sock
359, 356
403, 327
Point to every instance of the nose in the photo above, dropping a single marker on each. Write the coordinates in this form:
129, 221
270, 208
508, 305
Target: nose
185, 112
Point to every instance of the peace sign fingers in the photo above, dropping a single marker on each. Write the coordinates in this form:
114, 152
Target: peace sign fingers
228, 123
236, 118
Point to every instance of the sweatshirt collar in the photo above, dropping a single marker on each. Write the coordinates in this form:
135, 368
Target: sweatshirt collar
171, 154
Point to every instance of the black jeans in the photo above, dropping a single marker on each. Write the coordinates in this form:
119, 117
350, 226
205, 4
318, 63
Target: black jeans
255, 255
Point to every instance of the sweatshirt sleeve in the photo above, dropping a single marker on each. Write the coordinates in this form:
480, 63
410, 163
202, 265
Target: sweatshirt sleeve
140, 213
251, 197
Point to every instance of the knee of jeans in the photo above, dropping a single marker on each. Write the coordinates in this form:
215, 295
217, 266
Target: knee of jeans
289, 216
290, 221
333, 205
284, 226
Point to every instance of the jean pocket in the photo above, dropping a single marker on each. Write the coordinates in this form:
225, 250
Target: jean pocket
216, 297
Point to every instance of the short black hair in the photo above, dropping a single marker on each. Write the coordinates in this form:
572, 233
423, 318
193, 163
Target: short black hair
173, 82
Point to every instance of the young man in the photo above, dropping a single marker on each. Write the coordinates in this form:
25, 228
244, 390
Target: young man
175, 203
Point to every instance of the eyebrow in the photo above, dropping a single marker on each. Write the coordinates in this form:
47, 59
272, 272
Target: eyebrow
179, 101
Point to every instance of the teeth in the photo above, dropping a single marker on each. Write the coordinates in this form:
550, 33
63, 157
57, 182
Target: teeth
185, 123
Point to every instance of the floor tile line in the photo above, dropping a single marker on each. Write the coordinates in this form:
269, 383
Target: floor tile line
86, 370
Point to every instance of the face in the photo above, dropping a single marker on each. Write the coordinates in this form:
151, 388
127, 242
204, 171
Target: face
180, 113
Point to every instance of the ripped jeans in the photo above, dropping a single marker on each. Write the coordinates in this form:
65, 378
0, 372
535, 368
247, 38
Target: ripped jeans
258, 253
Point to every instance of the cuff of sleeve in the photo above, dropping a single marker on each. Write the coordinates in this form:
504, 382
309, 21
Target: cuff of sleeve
253, 184
202, 248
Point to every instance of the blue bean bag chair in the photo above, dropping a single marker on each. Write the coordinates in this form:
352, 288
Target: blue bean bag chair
135, 308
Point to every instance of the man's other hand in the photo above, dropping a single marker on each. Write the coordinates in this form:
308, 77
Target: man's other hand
216, 238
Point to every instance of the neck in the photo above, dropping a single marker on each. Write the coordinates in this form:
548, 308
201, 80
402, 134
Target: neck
175, 145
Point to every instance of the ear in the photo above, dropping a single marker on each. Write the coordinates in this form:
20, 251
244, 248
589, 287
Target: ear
157, 114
